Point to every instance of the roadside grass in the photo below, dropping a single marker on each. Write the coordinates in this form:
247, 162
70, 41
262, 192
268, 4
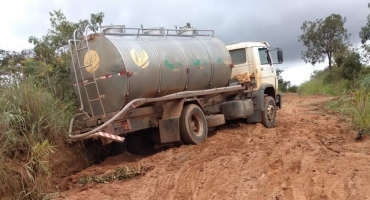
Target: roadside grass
325, 82
353, 97
318, 86
355, 104
33, 125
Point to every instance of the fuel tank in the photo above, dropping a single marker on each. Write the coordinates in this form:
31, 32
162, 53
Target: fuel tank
115, 68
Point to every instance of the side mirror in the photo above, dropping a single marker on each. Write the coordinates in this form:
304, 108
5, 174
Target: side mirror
280, 56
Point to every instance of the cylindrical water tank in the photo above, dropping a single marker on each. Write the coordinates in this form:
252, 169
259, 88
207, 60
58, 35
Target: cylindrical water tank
127, 67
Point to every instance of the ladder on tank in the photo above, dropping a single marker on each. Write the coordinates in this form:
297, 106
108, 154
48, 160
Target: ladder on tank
84, 82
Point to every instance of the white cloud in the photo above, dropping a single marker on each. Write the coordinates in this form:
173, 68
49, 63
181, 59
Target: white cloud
8, 41
297, 73
11, 13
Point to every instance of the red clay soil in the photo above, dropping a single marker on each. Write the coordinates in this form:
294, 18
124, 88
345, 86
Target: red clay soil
310, 154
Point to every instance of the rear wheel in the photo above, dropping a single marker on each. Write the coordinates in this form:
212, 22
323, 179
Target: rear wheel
193, 125
116, 148
269, 113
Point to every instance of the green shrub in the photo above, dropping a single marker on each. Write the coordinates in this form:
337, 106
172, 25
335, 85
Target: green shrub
121, 174
332, 76
33, 124
293, 89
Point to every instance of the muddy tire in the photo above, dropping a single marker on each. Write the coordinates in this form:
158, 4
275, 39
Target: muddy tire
269, 113
215, 120
193, 125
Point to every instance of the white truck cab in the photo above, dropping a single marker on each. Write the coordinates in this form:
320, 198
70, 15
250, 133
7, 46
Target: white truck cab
254, 58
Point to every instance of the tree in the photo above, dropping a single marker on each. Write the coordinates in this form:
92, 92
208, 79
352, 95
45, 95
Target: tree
52, 49
324, 38
282, 85
351, 66
365, 36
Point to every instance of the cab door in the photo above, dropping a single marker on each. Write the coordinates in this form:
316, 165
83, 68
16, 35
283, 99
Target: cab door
268, 71
239, 60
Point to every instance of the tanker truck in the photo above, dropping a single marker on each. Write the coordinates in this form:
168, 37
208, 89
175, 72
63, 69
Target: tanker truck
177, 82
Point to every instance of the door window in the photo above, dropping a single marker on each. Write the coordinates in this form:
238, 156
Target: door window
264, 56
238, 56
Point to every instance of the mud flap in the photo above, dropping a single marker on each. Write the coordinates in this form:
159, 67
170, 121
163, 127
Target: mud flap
169, 130
169, 125
256, 117
257, 99
278, 100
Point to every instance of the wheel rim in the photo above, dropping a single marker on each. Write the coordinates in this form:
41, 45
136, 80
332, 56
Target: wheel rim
195, 125
270, 112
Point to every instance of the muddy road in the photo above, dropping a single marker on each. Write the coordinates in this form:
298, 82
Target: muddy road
310, 154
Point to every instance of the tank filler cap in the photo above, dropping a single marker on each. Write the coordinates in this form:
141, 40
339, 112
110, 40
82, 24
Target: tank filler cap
153, 31
187, 31
113, 29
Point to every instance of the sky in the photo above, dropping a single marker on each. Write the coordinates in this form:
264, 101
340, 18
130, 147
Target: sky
275, 21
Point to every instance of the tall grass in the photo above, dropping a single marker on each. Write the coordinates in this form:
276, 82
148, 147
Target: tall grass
325, 82
317, 86
356, 104
360, 111
33, 124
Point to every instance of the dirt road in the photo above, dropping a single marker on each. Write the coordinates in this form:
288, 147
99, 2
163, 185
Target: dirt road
310, 154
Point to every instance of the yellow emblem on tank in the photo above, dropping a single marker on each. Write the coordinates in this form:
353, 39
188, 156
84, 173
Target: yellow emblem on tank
91, 61
140, 57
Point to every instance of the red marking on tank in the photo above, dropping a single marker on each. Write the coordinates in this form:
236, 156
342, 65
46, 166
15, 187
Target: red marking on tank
121, 73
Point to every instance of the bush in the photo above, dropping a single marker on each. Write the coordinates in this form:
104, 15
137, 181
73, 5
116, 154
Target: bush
33, 125
293, 89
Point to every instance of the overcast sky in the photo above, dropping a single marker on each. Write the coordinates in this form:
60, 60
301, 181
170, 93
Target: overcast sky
275, 21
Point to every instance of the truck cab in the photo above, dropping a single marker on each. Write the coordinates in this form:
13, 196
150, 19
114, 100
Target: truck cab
255, 59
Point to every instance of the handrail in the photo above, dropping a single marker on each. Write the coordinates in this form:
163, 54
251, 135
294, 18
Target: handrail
166, 32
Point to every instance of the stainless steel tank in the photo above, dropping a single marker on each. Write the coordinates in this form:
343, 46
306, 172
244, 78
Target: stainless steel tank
151, 64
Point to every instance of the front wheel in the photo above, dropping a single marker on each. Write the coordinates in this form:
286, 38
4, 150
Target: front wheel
269, 113
193, 125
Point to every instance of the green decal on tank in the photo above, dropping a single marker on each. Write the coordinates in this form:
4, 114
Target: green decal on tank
219, 60
205, 62
196, 62
169, 64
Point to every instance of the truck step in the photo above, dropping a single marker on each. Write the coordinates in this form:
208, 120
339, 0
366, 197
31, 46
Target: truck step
80, 49
84, 66
88, 83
